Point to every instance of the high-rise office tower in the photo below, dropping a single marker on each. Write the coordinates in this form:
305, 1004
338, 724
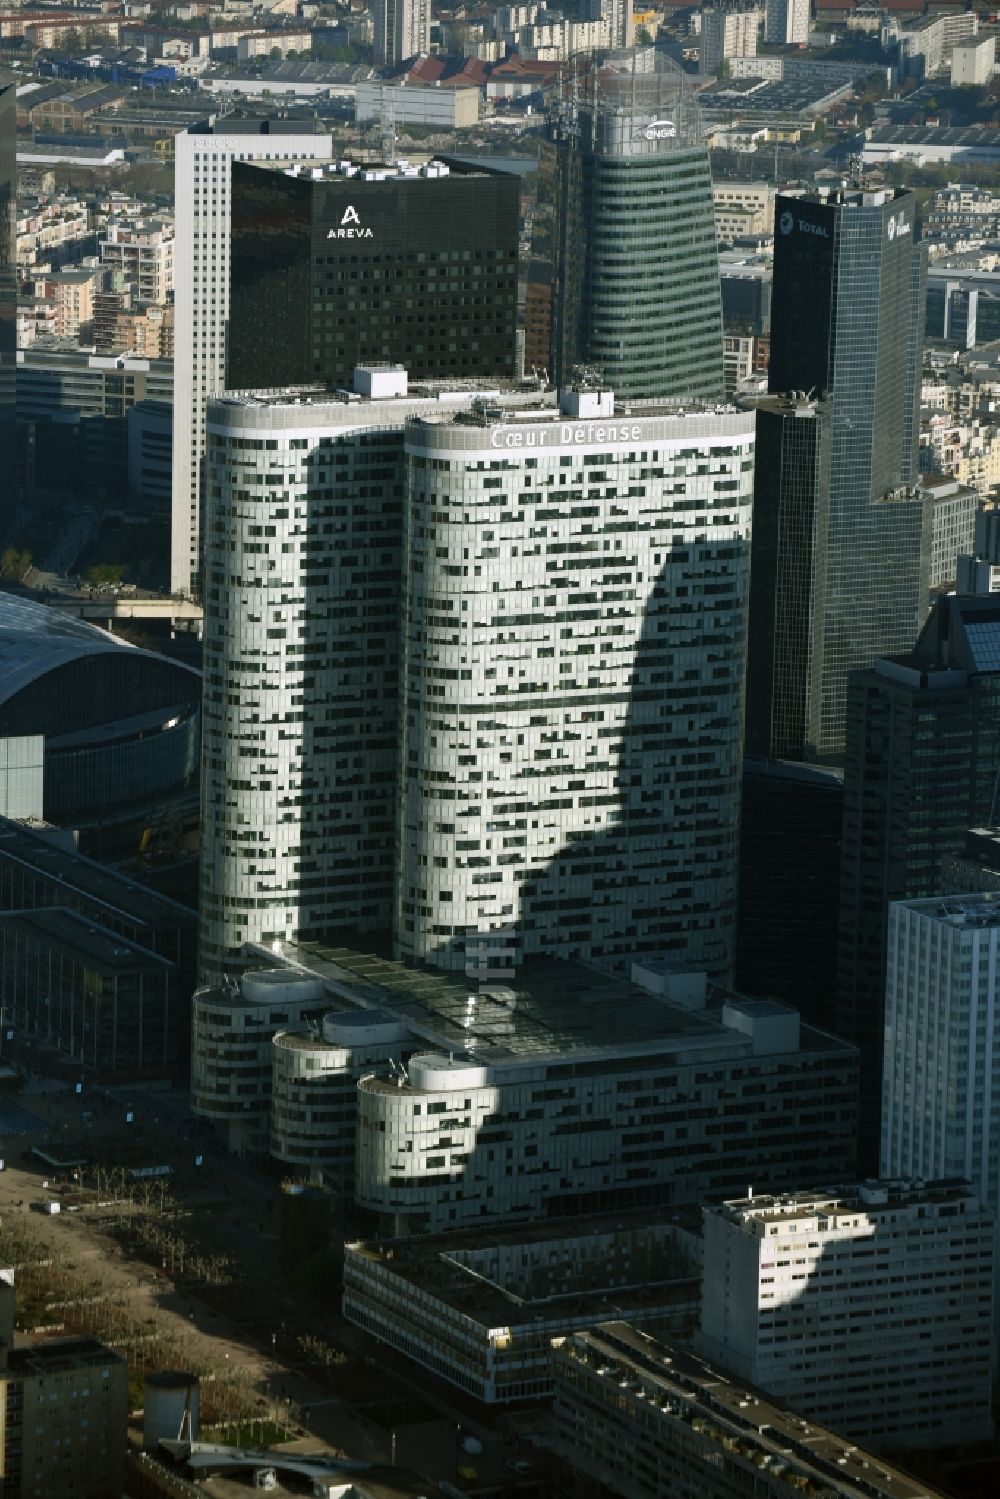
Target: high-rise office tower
941, 1089
8, 283
303, 566
203, 160
868, 1308
922, 757
846, 328
786, 23
788, 553
573, 629
563, 598
336, 267
786, 939
636, 270
401, 29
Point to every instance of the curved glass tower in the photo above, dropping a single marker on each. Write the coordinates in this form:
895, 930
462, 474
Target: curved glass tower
636, 270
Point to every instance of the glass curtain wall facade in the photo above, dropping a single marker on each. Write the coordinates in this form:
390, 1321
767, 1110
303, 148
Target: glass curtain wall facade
847, 327
923, 747
637, 292
342, 267
788, 571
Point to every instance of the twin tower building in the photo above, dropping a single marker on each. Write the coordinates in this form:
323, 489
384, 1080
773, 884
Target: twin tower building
476, 654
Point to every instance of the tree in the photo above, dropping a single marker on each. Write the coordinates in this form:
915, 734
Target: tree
105, 572
14, 563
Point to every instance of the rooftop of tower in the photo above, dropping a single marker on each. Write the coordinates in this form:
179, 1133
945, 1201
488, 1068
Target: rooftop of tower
400, 169
980, 910
846, 196
868, 1197
550, 1011
628, 103
242, 123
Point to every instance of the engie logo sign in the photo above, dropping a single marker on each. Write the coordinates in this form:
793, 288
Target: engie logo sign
350, 226
660, 130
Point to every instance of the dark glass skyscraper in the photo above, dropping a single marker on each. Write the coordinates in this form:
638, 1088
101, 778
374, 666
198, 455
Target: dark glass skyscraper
8, 285
636, 269
846, 328
340, 266
788, 565
786, 935
922, 759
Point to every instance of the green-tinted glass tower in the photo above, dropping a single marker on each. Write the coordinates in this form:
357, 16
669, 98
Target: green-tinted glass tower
636, 271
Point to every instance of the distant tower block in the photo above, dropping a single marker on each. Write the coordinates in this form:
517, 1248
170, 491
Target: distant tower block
636, 289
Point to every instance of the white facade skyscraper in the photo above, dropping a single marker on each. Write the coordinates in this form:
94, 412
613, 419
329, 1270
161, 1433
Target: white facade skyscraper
304, 517
786, 23
482, 651
401, 29
867, 1308
203, 156
941, 1068
573, 636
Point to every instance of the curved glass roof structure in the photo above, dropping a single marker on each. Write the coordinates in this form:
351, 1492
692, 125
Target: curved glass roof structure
36, 639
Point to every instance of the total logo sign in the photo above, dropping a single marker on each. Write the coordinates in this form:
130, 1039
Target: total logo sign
660, 130
898, 226
787, 223
350, 227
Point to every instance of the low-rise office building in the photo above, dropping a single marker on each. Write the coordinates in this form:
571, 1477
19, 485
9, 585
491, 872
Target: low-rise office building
104, 1002
642, 1417
867, 1308
513, 1103
231, 1050
37, 871
480, 1311
314, 1088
